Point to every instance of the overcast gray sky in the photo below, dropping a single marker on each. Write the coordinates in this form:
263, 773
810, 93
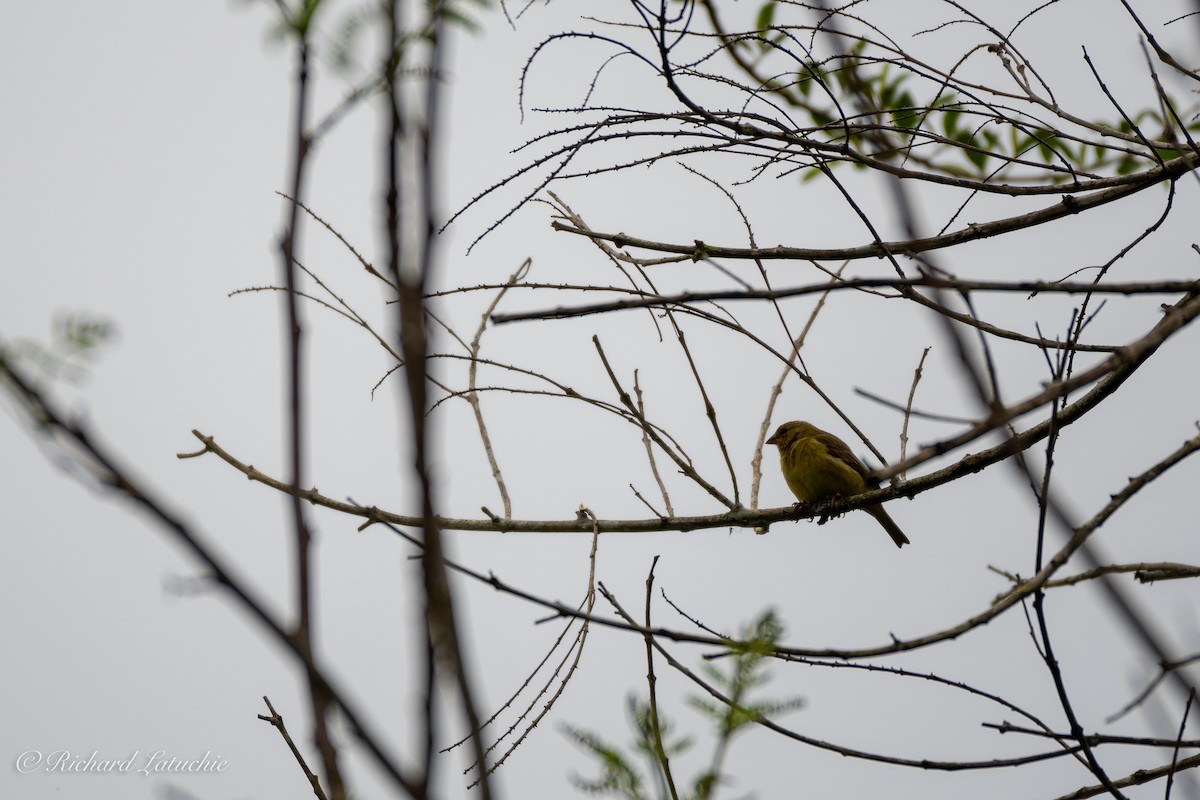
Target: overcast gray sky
141, 147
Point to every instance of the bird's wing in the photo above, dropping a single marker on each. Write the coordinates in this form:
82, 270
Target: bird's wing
839, 450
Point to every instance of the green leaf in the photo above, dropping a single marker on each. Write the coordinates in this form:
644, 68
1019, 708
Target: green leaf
820, 117
766, 16
906, 115
1127, 165
950, 123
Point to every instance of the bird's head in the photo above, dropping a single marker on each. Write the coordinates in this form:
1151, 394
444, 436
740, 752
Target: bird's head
790, 431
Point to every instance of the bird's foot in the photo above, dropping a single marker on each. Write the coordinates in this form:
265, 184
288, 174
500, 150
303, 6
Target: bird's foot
802, 506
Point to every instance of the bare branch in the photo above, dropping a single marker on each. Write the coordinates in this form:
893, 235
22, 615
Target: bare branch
276, 722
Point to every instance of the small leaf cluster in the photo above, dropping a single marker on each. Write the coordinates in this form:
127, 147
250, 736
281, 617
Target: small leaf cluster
881, 108
728, 707
77, 339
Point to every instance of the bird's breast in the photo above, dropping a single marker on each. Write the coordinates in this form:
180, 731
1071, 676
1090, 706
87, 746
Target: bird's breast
813, 474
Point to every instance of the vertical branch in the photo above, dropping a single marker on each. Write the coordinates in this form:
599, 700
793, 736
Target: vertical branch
295, 333
660, 751
641, 411
473, 397
684, 467
299, 21
1187, 707
777, 389
710, 410
912, 393
414, 139
1039, 600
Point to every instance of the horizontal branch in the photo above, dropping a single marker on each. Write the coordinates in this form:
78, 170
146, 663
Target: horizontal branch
1110, 374
1135, 779
744, 518
1145, 572
1114, 370
736, 518
1067, 206
1093, 738
930, 282
821, 744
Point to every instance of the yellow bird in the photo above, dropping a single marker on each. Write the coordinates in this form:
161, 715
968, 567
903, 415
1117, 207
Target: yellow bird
819, 466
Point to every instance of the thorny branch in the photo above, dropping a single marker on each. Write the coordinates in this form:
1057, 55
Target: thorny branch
808, 98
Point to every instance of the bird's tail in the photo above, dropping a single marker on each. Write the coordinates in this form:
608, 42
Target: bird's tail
888, 524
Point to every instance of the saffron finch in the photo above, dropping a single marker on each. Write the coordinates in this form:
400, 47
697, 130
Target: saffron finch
819, 466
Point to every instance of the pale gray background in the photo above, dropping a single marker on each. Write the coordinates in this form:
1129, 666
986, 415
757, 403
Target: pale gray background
140, 147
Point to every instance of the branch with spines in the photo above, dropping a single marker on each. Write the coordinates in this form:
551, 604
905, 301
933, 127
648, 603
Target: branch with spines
1108, 375
752, 519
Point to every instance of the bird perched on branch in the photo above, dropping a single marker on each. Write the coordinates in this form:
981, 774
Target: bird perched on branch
820, 466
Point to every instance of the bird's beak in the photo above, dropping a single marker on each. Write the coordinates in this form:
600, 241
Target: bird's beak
774, 438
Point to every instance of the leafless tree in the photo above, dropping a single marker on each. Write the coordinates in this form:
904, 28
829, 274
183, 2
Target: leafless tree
945, 147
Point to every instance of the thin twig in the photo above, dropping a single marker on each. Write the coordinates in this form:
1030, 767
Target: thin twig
912, 392
660, 751
276, 721
641, 412
473, 397
585, 514
777, 388
684, 467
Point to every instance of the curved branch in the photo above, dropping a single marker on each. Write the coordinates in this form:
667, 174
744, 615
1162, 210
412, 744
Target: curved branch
1069, 204
735, 518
